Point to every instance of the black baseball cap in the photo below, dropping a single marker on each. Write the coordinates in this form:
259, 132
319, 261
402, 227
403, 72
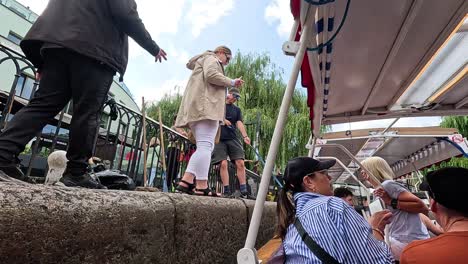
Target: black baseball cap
448, 186
298, 168
235, 92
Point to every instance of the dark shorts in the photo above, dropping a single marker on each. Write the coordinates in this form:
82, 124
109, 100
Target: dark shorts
227, 148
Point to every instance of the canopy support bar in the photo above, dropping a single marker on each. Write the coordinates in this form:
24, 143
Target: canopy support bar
247, 255
346, 151
390, 126
461, 103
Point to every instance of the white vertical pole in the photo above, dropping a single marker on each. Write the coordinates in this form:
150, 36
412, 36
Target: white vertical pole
311, 144
275, 142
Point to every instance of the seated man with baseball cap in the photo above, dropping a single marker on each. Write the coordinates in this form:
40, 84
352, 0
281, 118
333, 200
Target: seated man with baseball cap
447, 189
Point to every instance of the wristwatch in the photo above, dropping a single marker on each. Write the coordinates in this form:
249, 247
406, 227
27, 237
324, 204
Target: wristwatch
394, 203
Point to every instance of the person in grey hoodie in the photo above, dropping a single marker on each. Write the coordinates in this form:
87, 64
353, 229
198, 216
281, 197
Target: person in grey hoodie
77, 47
202, 110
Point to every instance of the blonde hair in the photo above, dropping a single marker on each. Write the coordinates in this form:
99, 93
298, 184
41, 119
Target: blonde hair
223, 49
379, 168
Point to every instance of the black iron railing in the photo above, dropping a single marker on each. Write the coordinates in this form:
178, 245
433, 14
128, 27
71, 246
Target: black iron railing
118, 140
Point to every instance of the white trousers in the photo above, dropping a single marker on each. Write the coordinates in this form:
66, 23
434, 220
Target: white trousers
205, 133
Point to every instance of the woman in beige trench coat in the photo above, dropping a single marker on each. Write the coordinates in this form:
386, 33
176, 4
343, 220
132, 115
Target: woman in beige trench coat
201, 110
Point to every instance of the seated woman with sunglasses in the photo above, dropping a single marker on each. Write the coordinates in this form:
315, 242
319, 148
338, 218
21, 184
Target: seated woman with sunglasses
320, 228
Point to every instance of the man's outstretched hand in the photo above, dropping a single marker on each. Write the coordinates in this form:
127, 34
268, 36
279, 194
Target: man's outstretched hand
161, 55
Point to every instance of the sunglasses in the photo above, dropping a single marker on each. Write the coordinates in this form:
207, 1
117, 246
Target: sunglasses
228, 57
236, 96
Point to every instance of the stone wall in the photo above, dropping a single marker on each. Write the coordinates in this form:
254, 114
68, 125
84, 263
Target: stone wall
50, 224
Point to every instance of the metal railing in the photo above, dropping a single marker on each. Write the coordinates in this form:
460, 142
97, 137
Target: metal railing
118, 140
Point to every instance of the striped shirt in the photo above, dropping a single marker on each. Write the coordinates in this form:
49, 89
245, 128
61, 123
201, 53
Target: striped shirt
337, 228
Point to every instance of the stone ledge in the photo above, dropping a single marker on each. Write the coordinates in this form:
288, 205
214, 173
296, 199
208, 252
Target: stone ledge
49, 224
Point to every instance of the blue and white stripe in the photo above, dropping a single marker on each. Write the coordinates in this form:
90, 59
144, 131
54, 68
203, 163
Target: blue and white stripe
337, 228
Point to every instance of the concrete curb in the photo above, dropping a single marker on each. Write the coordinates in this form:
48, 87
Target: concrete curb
51, 224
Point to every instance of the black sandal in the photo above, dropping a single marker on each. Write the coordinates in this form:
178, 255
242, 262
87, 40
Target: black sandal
183, 189
206, 192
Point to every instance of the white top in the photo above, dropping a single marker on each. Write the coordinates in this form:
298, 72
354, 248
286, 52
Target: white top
404, 227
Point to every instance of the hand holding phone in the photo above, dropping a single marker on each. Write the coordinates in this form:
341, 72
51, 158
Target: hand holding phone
380, 219
376, 206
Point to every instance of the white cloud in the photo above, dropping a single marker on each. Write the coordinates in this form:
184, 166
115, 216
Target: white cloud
37, 6
180, 55
183, 57
159, 17
279, 10
157, 92
203, 13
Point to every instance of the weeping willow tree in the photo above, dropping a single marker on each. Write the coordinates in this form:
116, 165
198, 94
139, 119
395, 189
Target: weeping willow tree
261, 99
453, 162
458, 122
169, 105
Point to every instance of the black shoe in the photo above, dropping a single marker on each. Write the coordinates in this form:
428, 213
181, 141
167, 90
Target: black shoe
13, 170
84, 181
228, 195
246, 195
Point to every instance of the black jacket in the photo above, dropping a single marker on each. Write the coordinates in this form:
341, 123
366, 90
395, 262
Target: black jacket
95, 28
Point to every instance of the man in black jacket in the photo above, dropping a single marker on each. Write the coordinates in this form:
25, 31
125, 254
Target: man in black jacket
77, 47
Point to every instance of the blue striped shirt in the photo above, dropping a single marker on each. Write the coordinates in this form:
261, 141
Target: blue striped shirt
337, 228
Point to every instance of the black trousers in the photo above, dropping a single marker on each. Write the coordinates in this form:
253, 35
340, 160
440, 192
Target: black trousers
173, 163
65, 75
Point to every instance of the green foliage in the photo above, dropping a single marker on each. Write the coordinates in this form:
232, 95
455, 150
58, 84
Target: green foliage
262, 94
169, 108
458, 122
453, 162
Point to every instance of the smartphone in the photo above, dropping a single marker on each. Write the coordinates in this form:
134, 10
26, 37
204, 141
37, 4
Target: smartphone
376, 206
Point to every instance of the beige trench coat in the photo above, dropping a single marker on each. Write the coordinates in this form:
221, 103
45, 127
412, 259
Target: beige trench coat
205, 94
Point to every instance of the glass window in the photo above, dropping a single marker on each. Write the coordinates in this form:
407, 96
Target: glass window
104, 120
19, 86
24, 86
15, 38
50, 129
27, 88
69, 108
